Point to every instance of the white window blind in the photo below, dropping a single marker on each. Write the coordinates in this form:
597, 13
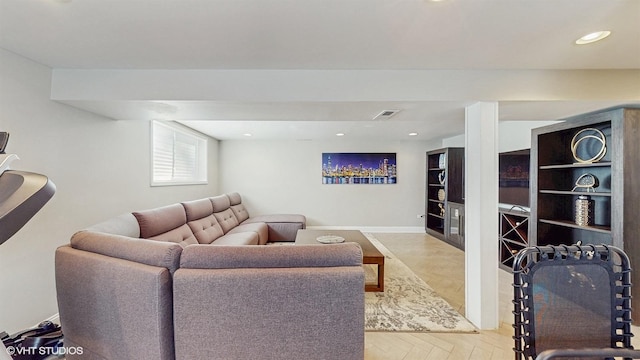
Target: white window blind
179, 156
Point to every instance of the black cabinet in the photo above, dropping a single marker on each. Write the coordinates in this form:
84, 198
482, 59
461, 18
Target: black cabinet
454, 223
444, 186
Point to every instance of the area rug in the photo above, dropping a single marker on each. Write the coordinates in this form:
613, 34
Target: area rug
407, 303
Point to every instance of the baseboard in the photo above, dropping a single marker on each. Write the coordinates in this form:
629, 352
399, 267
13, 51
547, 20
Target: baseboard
374, 229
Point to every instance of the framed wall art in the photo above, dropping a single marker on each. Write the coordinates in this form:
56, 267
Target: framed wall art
359, 168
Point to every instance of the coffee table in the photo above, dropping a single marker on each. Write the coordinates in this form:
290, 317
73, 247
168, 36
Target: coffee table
370, 254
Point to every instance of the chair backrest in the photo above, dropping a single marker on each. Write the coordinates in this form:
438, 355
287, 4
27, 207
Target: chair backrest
571, 297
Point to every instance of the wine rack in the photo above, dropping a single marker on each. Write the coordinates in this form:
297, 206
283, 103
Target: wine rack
514, 235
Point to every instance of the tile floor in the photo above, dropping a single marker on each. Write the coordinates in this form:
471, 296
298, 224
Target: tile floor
442, 267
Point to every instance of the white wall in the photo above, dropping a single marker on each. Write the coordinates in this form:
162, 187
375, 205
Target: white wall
516, 135
512, 135
99, 166
285, 177
454, 141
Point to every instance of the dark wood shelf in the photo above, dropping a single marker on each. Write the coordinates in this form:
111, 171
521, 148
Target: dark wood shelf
565, 223
575, 193
576, 165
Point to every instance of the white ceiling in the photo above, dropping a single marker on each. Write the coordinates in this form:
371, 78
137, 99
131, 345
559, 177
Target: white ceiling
405, 35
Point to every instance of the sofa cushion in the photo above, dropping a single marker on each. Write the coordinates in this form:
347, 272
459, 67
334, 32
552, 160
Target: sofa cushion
226, 219
220, 203
259, 228
236, 205
160, 220
201, 221
240, 212
206, 229
181, 235
234, 198
198, 209
242, 238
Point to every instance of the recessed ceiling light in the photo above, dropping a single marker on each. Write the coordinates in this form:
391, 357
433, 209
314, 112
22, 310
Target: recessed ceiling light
593, 37
340, 134
413, 134
247, 134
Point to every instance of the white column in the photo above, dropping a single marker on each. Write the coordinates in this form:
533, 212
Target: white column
481, 214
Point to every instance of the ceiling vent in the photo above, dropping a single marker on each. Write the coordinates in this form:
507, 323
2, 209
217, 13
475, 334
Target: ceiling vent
386, 114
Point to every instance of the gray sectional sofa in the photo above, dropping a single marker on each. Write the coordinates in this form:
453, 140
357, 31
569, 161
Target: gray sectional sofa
185, 281
219, 220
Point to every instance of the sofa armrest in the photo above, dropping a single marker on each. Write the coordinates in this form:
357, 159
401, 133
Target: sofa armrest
149, 252
282, 227
279, 218
114, 308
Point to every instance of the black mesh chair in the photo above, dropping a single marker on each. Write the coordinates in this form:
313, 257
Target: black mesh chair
572, 302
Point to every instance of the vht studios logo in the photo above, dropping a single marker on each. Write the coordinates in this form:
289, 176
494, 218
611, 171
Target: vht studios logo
44, 351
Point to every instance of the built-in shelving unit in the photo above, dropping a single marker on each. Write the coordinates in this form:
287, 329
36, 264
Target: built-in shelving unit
557, 164
557, 172
444, 195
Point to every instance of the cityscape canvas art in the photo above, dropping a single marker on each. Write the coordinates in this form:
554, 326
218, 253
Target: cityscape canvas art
359, 168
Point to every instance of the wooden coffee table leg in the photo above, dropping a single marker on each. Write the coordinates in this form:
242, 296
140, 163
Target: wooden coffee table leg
381, 276
379, 287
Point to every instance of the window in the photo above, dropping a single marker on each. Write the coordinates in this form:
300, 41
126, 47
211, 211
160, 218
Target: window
178, 155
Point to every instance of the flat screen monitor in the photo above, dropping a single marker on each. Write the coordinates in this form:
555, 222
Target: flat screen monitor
514, 177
